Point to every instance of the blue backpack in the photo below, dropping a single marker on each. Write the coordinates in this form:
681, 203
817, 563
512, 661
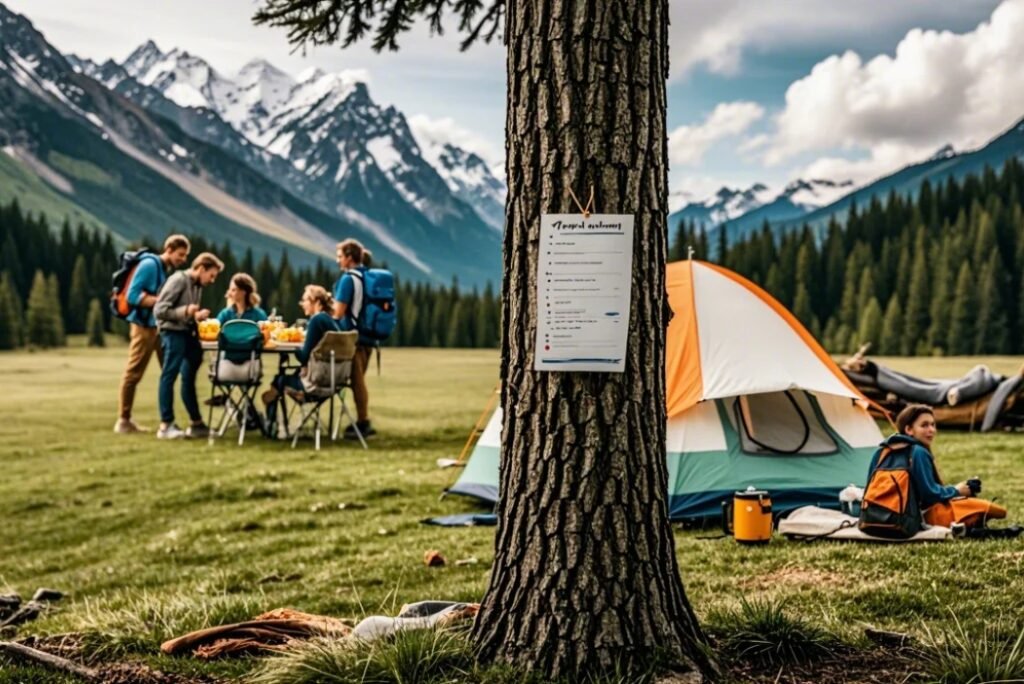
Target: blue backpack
378, 314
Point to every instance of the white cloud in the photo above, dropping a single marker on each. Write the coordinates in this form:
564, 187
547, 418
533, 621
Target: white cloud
716, 33
433, 132
938, 87
688, 144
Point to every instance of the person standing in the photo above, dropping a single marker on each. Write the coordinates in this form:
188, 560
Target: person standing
178, 312
150, 275
243, 302
354, 261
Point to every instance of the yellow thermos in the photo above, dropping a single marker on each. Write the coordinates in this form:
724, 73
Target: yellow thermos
748, 517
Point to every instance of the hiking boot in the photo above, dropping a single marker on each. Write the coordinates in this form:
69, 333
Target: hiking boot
126, 426
365, 429
170, 432
297, 395
201, 431
270, 396
219, 400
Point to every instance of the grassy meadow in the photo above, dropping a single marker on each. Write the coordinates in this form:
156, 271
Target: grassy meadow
152, 539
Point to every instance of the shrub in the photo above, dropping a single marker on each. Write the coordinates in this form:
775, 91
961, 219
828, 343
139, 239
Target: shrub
762, 632
957, 657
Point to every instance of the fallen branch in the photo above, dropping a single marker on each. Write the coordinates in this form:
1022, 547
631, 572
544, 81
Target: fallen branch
56, 662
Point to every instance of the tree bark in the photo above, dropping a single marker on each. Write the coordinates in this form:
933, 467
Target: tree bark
585, 578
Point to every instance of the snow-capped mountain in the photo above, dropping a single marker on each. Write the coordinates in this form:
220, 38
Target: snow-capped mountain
468, 176
360, 160
811, 194
724, 205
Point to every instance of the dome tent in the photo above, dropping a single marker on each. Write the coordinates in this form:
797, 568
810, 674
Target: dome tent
752, 400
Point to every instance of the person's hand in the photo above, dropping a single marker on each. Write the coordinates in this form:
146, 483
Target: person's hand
191, 310
202, 314
963, 489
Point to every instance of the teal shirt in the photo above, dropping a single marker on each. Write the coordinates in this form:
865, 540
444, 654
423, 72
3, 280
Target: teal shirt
254, 314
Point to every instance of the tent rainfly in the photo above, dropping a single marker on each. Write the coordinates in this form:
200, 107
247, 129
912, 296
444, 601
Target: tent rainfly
752, 400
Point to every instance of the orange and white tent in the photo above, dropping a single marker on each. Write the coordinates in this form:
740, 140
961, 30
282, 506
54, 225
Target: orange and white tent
752, 400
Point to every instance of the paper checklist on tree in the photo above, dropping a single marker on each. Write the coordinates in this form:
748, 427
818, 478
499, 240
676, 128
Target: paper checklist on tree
584, 281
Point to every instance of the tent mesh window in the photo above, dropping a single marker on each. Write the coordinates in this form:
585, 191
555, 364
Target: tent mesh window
781, 423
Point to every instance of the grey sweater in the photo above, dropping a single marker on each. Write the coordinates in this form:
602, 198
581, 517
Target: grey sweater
180, 290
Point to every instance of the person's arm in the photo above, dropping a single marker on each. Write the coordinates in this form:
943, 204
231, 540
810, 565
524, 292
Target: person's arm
928, 488
313, 334
343, 291
143, 286
225, 315
259, 314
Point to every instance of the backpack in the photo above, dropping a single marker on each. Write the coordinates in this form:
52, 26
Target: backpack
890, 508
377, 313
122, 280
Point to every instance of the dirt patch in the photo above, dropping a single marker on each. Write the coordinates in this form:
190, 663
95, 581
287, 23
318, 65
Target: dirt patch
138, 673
849, 667
790, 576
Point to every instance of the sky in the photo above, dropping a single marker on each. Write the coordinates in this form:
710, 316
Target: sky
759, 91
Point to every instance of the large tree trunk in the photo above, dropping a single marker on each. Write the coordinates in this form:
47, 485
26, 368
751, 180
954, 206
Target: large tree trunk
585, 576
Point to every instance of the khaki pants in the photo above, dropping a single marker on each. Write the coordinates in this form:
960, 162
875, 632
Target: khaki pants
142, 343
360, 362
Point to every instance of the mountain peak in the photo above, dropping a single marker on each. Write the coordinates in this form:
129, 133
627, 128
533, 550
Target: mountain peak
944, 152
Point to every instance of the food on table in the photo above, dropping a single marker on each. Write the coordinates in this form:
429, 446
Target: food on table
209, 329
292, 335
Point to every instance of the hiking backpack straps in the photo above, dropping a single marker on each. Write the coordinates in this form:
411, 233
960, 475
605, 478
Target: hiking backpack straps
129, 262
890, 508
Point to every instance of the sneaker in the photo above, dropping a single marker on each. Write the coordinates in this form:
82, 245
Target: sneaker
126, 426
201, 431
297, 395
170, 432
270, 396
219, 400
365, 429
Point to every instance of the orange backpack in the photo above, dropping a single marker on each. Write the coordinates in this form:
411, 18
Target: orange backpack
890, 508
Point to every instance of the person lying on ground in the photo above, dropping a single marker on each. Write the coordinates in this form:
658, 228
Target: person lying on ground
941, 504
243, 301
316, 305
178, 312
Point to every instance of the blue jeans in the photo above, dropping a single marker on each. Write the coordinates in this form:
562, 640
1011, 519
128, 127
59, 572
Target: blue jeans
182, 354
279, 382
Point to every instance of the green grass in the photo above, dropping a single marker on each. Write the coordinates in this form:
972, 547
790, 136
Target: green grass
151, 539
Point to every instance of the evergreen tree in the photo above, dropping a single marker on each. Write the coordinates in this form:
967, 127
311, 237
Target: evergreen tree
802, 307
10, 314
53, 294
991, 328
865, 292
870, 328
914, 338
961, 337
79, 295
40, 324
94, 325
891, 341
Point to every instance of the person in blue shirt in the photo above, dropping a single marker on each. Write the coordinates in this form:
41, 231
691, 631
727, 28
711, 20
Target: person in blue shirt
316, 304
149, 276
354, 261
243, 301
942, 504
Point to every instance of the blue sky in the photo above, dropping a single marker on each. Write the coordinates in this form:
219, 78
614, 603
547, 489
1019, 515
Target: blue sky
760, 91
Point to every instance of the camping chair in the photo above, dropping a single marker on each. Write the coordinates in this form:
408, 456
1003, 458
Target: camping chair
328, 375
235, 375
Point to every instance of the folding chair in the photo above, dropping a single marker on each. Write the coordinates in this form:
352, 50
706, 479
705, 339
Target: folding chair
235, 375
329, 374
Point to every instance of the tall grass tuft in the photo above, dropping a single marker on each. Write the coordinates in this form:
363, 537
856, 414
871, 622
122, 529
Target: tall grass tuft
762, 632
958, 657
407, 657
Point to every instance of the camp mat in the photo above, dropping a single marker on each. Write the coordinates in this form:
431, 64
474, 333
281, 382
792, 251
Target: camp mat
812, 522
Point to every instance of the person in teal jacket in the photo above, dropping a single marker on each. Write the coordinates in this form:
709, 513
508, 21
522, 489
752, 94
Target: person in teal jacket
916, 425
243, 301
315, 303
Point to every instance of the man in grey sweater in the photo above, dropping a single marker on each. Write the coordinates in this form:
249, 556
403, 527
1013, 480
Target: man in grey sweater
178, 312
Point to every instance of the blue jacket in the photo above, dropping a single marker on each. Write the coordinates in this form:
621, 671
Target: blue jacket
318, 325
254, 314
150, 275
925, 477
